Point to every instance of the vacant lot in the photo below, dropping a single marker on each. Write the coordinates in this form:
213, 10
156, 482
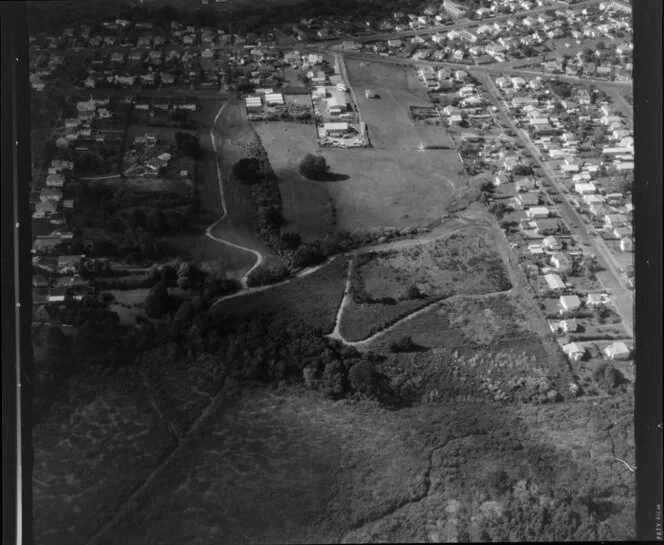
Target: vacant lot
390, 285
325, 287
307, 205
324, 472
99, 440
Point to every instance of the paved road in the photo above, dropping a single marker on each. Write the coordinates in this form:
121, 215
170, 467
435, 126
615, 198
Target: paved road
488, 68
611, 277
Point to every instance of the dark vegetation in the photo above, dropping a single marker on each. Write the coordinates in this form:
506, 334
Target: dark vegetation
314, 167
188, 145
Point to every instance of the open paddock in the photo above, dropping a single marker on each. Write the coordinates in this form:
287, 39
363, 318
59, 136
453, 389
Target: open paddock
389, 119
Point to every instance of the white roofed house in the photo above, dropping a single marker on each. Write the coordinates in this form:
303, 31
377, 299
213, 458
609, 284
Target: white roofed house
561, 262
587, 188
337, 103
569, 326
552, 243
574, 351
50, 194
537, 212
569, 303
55, 180
554, 282
618, 351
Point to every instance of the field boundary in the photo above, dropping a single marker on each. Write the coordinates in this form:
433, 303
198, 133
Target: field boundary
208, 231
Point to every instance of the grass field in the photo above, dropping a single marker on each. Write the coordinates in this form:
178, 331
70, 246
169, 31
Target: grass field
324, 472
306, 204
389, 121
325, 287
383, 186
459, 264
98, 441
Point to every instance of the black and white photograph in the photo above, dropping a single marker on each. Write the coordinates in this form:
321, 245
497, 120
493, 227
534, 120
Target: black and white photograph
331, 271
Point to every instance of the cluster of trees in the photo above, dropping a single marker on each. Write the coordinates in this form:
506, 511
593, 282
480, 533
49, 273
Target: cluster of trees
77, 313
264, 348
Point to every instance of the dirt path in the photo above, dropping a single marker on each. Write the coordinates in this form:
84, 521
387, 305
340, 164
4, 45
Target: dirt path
208, 231
402, 244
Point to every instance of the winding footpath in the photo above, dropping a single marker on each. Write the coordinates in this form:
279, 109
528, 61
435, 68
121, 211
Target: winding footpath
208, 231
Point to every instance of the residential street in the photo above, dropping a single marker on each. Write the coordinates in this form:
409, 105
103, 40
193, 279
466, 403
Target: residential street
611, 277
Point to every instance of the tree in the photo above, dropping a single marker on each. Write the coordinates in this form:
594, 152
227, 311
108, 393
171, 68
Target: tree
158, 301
314, 167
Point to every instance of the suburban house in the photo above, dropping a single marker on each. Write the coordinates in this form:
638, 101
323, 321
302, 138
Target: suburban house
554, 282
569, 326
561, 262
552, 243
537, 212
618, 351
574, 351
55, 180
593, 299
569, 303
454, 10
69, 264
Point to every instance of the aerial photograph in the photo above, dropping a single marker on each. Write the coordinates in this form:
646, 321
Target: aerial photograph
332, 271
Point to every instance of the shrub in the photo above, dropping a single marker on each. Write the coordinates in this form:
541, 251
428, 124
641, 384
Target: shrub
405, 344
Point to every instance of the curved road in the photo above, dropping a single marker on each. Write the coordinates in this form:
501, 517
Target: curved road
208, 231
